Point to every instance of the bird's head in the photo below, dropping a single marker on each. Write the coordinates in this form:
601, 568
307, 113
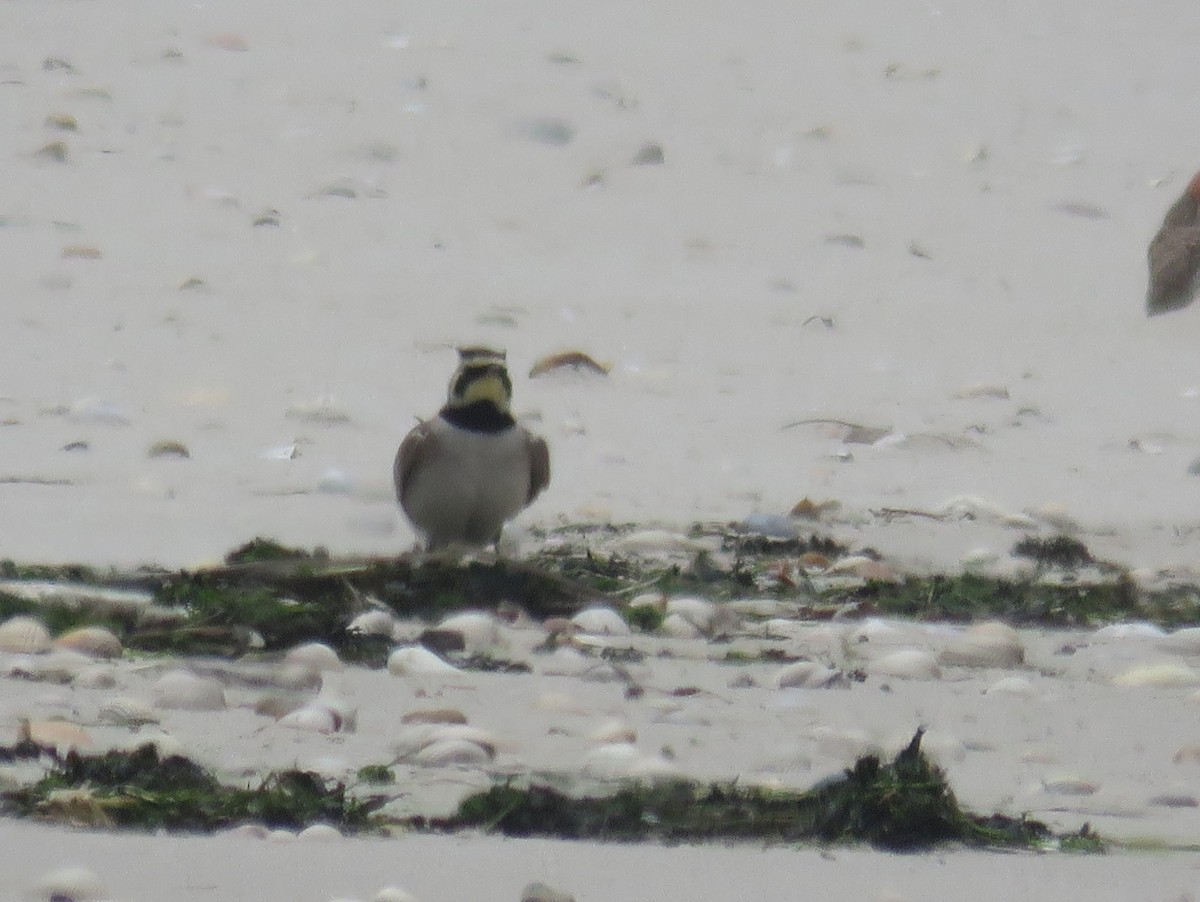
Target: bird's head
481, 378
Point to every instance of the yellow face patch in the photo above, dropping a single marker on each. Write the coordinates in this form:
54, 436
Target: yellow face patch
489, 384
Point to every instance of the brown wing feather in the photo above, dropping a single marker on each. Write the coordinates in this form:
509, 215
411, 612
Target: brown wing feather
539, 466
414, 450
1173, 258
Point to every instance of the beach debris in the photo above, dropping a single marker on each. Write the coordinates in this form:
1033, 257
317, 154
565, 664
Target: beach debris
1081, 208
1158, 675
168, 448
412, 660
597, 621
542, 892
93, 641
849, 433
1069, 785
576, 361
24, 635
61, 735
147, 790
53, 151
649, 154
846, 240
184, 690
907, 664
315, 656
445, 744
124, 711
1173, 257
809, 675
983, 391
434, 715
290, 451
393, 894
314, 717
1017, 686
901, 804
68, 884
551, 131
991, 644
81, 252
97, 411
269, 217
193, 283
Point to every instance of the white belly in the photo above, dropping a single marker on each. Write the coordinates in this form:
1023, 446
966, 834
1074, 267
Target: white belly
465, 492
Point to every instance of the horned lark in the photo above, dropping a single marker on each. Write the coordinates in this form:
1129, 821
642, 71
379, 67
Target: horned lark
1174, 255
461, 475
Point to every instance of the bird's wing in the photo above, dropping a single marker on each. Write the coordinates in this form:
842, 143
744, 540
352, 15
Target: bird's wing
1173, 258
416, 448
539, 466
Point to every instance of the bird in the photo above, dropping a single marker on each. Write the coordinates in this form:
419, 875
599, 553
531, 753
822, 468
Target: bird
1174, 255
463, 474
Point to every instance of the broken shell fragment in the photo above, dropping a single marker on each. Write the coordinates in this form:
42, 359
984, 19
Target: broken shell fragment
568, 360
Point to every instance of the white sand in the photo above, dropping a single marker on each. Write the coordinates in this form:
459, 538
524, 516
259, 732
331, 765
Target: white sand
950, 127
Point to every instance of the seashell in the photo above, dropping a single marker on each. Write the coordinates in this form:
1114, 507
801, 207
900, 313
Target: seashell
185, 691
565, 661
907, 664
372, 623
97, 676
434, 715
57, 734
168, 448
453, 751
1134, 630
393, 894
1068, 785
613, 731
541, 892
990, 644
808, 509
812, 562
612, 760
278, 706
315, 718
601, 622
1012, 685
480, 631
70, 884
572, 360
24, 635
281, 452
807, 675
126, 712
320, 832
412, 740
93, 641
229, 40
412, 660
561, 626
1056, 515
679, 627
711, 619
969, 507
314, 655
1189, 754
1158, 675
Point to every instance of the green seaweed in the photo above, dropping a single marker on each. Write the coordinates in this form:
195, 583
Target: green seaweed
140, 789
903, 805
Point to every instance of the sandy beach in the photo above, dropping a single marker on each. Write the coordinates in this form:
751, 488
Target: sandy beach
889, 256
